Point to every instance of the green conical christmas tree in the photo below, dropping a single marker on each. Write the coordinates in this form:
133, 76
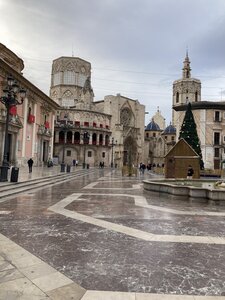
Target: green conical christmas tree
188, 132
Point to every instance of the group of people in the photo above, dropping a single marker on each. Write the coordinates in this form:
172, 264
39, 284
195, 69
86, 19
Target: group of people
101, 164
149, 167
75, 162
142, 167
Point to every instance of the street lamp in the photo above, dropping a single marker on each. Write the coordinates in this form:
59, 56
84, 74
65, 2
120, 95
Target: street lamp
13, 95
65, 128
86, 137
112, 144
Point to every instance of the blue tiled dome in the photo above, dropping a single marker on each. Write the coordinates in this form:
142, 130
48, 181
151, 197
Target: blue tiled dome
153, 126
170, 130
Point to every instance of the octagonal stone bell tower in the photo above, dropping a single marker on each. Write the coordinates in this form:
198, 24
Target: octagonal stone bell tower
71, 82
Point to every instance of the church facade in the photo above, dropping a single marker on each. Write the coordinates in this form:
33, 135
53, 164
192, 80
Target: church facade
88, 131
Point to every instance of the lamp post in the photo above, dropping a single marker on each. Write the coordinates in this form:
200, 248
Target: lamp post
13, 95
112, 159
65, 128
63, 154
86, 137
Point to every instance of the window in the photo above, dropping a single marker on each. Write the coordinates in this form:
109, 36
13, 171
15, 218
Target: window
196, 96
217, 152
216, 138
56, 79
165, 137
94, 139
125, 116
177, 97
103, 154
89, 154
100, 139
69, 77
154, 134
68, 153
147, 134
217, 116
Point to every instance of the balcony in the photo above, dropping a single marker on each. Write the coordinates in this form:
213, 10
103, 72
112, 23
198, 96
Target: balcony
81, 125
42, 130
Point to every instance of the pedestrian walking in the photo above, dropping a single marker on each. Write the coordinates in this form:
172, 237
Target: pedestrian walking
30, 164
143, 167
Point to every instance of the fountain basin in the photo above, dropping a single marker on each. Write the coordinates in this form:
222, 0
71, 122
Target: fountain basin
195, 189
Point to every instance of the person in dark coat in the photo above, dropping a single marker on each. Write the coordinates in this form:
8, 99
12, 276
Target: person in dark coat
190, 172
30, 164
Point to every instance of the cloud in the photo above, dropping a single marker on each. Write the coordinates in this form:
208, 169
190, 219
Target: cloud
136, 47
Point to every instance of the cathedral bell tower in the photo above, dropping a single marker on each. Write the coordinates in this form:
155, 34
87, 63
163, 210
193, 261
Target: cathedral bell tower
186, 89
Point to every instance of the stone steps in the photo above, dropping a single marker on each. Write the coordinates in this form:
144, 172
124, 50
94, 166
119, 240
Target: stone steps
12, 188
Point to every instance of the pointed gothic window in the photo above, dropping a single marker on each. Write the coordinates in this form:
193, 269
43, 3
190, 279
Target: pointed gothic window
196, 96
177, 97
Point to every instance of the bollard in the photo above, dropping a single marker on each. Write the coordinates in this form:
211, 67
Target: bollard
62, 168
14, 174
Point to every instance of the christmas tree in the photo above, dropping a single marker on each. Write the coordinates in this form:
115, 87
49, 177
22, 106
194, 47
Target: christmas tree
188, 132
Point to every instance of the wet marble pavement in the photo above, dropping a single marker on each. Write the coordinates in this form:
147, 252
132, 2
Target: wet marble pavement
103, 232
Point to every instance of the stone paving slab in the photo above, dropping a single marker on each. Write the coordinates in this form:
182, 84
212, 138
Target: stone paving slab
25, 276
118, 265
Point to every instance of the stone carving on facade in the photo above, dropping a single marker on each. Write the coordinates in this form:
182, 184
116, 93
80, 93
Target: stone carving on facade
67, 94
182, 88
54, 95
45, 108
130, 131
70, 66
87, 89
56, 67
11, 58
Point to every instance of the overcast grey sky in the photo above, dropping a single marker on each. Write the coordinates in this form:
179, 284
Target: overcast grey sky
136, 47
